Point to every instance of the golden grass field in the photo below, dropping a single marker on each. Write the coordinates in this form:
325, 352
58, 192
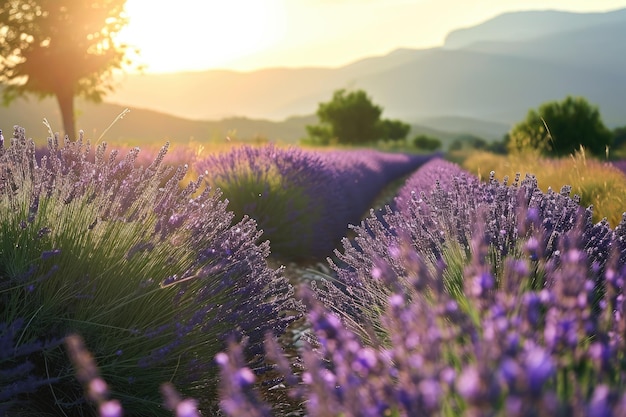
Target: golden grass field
596, 182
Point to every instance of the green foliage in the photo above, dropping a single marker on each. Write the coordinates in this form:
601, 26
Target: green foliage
320, 135
467, 141
500, 147
619, 137
351, 118
560, 128
393, 130
60, 48
427, 143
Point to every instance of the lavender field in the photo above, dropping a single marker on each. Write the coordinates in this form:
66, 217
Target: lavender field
127, 290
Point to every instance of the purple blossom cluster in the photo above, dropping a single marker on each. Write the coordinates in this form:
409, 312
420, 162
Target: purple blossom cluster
441, 223
154, 276
360, 176
436, 172
304, 200
471, 299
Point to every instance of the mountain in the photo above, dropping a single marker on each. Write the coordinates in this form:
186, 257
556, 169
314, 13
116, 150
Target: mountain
141, 127
529, 25
118, 125
490, 87
565, 47
465, 125
219, 93
483, 80
493, 72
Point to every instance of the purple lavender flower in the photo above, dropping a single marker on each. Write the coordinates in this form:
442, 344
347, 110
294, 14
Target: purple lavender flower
304, 201
238, 397
435, 353
97, 249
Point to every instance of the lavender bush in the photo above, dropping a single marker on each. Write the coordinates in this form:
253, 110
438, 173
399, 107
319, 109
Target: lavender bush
437, 172
472, 299
362, 174
303, 201
509, 351
440, 224
155, 277
285, 190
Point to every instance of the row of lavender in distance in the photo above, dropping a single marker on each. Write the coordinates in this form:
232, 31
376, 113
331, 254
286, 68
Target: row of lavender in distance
154, 277
515, 309
303, 200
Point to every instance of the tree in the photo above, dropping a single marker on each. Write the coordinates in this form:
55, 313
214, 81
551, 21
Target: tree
427, 143
619, 137
394, 130
500, 147
349, 118
60, 48
560, 128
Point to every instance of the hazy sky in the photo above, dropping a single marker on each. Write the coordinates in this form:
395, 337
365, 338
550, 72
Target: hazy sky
194, 35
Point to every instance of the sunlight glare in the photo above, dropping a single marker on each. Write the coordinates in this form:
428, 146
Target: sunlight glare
198, 34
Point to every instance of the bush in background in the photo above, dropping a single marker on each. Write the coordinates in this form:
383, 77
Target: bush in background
427, 143
560, 128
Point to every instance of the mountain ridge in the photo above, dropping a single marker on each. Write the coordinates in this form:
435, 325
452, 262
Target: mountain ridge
277, 93
516, 25
486, 84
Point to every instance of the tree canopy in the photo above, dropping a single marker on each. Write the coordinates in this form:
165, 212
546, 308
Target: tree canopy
560, 128
352, 118
394, 130
426, 142
619, 136
60, 48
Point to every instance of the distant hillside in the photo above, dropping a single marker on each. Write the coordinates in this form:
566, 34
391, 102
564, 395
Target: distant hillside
462, 125
218, 94
490, 87
142, 127
529, 25
564, 48
493, 72
485, 79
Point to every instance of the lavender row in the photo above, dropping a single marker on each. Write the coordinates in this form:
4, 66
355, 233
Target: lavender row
156, 278
436, 172
361, 175
440, 223
303, 200
472, 299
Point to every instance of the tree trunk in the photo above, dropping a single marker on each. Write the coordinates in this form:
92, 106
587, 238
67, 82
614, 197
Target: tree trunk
65, 98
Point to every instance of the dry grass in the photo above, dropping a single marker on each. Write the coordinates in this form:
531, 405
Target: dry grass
597, 183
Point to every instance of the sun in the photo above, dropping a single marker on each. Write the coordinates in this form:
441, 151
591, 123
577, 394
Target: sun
191, 35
